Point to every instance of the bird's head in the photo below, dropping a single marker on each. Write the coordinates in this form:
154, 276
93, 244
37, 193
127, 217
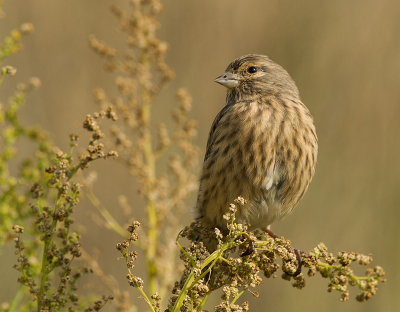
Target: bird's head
255, 75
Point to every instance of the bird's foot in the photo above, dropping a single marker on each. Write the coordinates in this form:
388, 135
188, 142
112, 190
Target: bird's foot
296, 251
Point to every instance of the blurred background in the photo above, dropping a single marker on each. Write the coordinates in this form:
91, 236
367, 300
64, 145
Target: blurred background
345, 59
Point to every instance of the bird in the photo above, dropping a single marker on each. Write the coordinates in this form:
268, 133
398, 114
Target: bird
262, 146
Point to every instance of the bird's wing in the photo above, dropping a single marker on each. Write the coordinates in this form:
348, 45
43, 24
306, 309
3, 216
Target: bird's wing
211, 135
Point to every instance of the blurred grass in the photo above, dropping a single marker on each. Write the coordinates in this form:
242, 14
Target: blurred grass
344, 57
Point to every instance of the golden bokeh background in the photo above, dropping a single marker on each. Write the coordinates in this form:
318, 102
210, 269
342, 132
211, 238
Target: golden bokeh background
345, 58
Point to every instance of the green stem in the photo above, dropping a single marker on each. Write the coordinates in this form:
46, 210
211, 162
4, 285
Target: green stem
214, 256
47, 244
44, 265
225, 260
139, 288
152, 218
17, 299
200, 307
74, 170
152, 237
192, 261
191, 280
237, 297
146, 299
338, 267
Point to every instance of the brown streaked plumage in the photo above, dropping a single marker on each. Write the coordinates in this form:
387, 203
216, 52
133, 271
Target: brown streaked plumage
262, 146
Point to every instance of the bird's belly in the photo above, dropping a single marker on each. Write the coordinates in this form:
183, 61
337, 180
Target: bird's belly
262, 215
261, 208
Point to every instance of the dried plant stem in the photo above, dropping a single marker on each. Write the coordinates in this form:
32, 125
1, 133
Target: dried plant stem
152, 230
171, 260
99, 272
152, 237
143, 73
111, 222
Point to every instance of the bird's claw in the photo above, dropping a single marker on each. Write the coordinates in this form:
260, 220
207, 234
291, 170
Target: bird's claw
297, 252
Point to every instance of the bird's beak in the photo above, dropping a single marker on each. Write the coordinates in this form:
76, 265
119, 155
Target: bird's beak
228, 80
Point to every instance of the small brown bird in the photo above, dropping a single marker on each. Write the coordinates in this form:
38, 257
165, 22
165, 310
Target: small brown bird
262, 146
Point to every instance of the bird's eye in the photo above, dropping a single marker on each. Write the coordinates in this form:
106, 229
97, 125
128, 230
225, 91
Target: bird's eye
252, 69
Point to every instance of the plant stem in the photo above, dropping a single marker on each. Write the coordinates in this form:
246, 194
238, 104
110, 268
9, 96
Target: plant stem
44, 265
237, 297
17, 299
109, 219
47, 245
152, 231
191, 280
152, 237
146, 298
